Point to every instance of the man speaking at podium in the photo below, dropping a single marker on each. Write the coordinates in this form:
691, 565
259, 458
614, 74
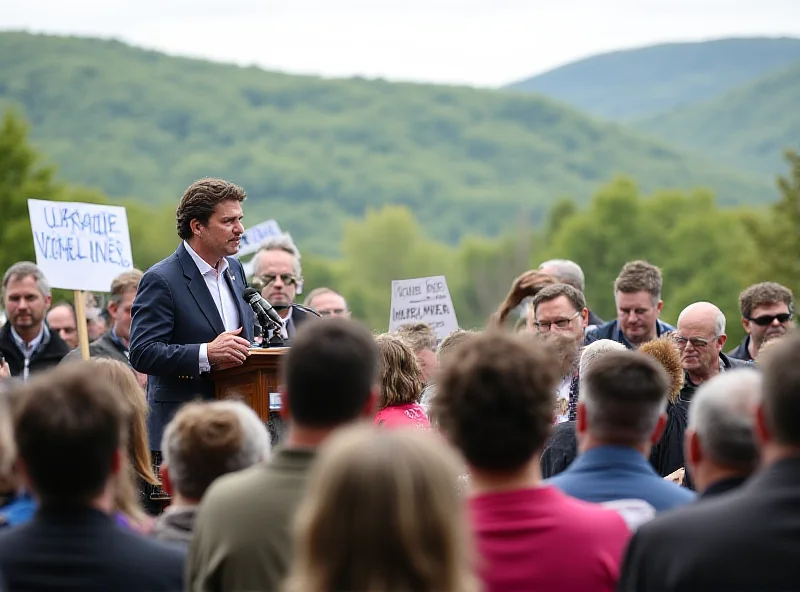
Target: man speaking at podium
189, 315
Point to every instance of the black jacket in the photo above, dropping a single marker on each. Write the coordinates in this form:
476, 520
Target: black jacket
83, 550
746, 539
667, 455
48, 354
742, 351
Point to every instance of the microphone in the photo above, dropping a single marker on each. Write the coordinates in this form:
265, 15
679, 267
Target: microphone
307, 309
267, 316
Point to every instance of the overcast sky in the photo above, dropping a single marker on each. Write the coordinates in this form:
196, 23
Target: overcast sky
477, 42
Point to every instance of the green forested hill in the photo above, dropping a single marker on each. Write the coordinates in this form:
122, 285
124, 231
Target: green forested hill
642, 82
313, 152
746, 128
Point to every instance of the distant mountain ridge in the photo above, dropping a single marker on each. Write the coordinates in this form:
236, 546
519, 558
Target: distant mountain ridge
312, 153
643, 82
747, 127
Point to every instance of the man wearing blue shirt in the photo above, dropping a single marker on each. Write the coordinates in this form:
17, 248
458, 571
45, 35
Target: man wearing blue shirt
620, 416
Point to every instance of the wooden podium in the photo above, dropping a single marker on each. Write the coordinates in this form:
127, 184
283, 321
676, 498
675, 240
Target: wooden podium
255, 382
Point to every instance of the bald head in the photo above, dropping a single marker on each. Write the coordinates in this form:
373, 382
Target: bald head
566, 272
700, 336
704, 316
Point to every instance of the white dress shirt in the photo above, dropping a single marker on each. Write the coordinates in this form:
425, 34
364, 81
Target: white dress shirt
222, 296
28, 349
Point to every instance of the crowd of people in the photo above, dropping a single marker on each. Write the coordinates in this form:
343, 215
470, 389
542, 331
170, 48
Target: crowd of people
557, 452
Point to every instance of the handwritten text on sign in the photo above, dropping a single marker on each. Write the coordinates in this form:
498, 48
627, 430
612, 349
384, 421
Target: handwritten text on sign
423, 300
255, 235
80, 246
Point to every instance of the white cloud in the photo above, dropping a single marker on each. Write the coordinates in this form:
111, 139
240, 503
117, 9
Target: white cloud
481, 42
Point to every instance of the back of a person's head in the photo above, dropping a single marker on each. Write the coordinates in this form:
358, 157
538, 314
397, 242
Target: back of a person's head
781, 390
330, 373
8, 449
69, 425
624, 393
766, 348
420, 336
451, 344
723, 417
382, 512
401, 375
495, 400
121, 378
665, 351
207, 440
596, 350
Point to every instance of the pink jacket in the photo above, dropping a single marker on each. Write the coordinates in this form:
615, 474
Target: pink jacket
398, 416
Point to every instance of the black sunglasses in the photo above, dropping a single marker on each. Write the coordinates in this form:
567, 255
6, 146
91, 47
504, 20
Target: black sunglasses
765, 320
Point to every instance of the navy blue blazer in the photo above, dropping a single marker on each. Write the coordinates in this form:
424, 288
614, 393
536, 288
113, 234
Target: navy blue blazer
172, 315
81, 549
610, 473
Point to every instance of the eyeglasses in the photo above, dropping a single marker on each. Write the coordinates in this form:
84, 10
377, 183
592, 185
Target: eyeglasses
332, 312
765, 320
545, 326
697, 342
286, 278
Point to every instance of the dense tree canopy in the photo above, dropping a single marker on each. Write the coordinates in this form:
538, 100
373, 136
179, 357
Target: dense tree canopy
314, 153
706, 252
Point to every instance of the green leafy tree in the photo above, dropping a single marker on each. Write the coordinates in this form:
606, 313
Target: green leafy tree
23, 176
387, 245
777, 233
699, 247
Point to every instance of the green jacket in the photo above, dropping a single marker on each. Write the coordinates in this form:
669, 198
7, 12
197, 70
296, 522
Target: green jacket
242, 534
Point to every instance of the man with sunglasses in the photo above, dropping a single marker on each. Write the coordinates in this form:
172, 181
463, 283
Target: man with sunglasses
279, 276
700, 336
766, 314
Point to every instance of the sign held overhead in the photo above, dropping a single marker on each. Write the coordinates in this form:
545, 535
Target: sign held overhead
423, 300
80, 246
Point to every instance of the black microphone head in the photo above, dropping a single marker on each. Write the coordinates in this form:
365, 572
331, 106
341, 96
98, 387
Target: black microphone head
251, 295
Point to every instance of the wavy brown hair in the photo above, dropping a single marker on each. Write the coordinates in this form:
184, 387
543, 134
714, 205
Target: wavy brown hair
401, 376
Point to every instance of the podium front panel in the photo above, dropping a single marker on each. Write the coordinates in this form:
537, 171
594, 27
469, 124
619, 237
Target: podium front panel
255, 382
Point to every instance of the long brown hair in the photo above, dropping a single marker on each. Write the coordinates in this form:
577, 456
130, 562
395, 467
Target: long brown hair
401, 376
382, 512
122, 379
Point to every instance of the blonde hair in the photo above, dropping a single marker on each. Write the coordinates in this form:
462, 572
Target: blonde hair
401, 376
8, 448
453, 342
125, 282
124, 383
763, 351
382, 513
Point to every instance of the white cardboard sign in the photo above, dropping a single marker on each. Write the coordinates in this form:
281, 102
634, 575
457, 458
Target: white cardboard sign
423, 300
80, 246
255, 235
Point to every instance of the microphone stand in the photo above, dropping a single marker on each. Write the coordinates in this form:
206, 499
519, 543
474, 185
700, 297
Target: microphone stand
276, 340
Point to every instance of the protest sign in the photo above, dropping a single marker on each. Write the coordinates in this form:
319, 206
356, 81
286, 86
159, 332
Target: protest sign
255, 235
80, 246
423, 300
